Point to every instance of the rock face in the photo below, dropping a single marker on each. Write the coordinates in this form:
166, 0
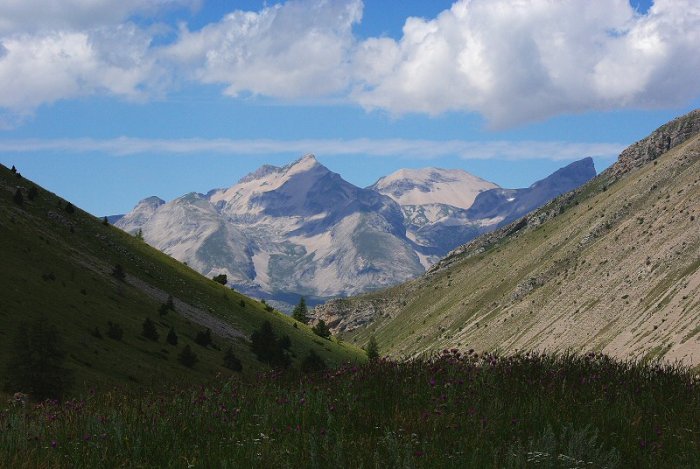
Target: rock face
282, 232
613, 266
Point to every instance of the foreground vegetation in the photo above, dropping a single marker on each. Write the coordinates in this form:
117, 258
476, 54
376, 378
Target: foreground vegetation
455, 410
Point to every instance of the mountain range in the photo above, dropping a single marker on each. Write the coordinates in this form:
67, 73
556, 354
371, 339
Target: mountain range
301, 229
612, 267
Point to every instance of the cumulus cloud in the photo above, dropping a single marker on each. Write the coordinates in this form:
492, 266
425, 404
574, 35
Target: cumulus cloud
297, 49
38, 69
519, 61
512, 61
406, 148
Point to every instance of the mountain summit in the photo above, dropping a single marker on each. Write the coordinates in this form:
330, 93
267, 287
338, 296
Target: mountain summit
301, 229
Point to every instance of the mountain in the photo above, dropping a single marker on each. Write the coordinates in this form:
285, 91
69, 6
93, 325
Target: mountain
59, 265
613, 266
282, 232
507, 205
446, 208
434, 203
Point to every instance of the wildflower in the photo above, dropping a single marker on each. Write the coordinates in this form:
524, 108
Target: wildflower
54, 443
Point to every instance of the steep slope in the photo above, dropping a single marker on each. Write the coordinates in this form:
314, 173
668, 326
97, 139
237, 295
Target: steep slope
57, 263
613, 266
283, 232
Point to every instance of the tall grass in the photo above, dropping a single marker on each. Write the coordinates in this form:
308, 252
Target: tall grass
454, 410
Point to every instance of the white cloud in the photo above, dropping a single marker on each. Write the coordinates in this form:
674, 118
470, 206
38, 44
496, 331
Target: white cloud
405, 148
39, 69
512, 61
298, 49
525, 60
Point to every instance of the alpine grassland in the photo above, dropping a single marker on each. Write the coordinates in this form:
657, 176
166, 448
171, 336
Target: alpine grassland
452, 410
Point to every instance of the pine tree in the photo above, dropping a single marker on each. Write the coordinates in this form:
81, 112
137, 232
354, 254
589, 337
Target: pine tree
187, 357
221, 278
114, 331
105, 222
172, 337
203, 338
268, 348
301, 312
231, 361
70, 208
372, 349
13, 170
18, 198
118, 272
149, 330
321, 329
36, 362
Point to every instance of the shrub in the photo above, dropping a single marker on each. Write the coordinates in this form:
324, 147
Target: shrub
187, 357
36, 362
114, 331
32, 193
149, 330
321, 329
231, 361
69, 208
105, 222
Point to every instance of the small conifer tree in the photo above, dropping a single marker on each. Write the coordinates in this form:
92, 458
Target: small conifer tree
313, 362
18, 198
203, 338
118, 272
149, 330
221, 278
171, 337
70, 208
321, 329
114, 331
36, 362
105, 222
372, 349
231, 361
269, 348
301, 312
187, 357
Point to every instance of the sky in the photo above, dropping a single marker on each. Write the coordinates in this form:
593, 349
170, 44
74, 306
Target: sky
106, 103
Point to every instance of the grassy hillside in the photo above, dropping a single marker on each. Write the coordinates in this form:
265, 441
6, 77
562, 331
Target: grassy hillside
57, 263
613, 266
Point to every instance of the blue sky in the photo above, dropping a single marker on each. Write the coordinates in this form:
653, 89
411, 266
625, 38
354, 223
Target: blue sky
109, 102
